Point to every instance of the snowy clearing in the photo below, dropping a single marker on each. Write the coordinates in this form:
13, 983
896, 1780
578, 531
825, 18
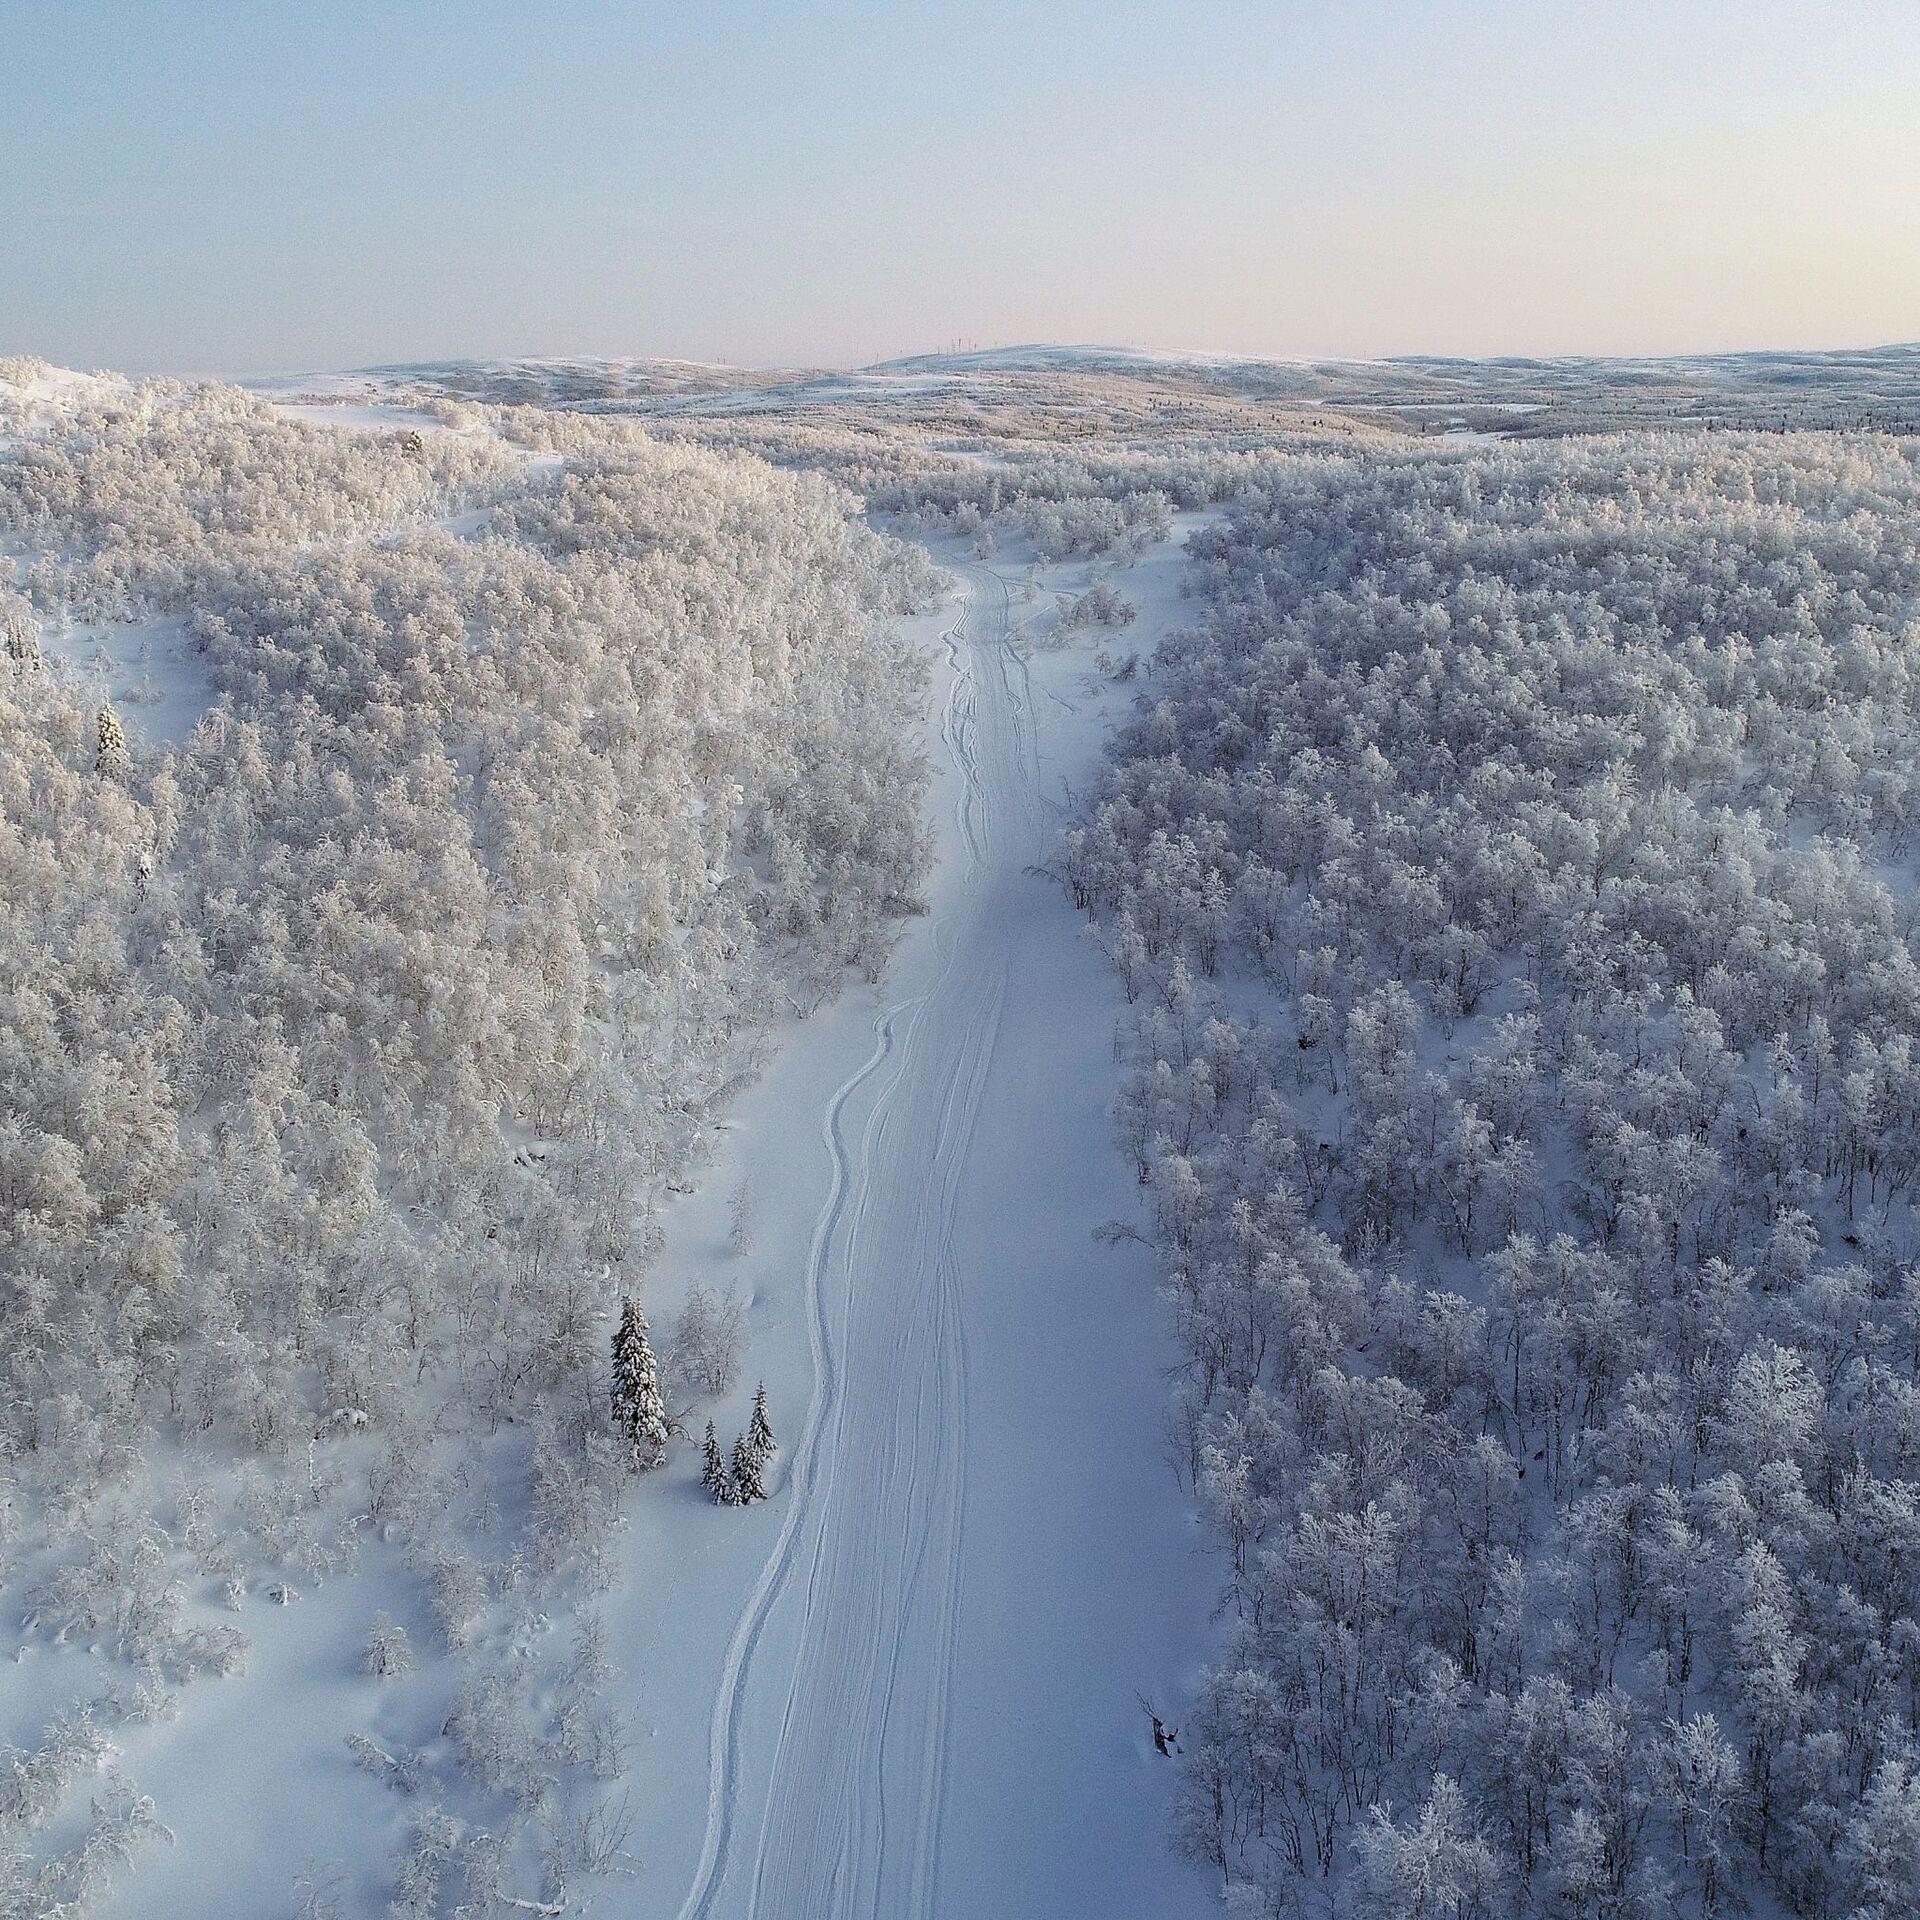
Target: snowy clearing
963, 1592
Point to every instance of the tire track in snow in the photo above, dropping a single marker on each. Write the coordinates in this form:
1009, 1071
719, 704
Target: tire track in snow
958, 717
836, 1850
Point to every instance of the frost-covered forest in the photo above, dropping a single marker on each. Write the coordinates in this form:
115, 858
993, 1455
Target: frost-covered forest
431, 803
354, 1036
1511, 876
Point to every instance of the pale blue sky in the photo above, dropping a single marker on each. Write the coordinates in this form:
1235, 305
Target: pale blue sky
280, 185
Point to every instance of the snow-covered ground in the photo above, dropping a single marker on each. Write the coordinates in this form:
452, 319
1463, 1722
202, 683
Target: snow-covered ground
908, 1685
150, 669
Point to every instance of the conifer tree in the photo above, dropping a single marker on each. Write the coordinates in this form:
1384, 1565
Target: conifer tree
638, 1410
719, 1481
760, 1428
113, 742
23, 641
746, 1473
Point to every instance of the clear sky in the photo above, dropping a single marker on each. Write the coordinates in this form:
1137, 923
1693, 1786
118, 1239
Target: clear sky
286, 185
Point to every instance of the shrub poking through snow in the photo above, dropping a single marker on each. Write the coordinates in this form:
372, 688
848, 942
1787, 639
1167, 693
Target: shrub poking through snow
389, 1653
1100, 606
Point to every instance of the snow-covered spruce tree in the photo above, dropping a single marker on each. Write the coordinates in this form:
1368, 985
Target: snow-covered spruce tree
111, 751
21, 637
746, 1472
760, 1428
714, 1473
638, 1410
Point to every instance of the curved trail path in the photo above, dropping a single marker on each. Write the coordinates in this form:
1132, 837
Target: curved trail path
927, 1708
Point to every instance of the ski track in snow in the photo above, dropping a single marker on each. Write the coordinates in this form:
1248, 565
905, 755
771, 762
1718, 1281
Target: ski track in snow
830, 1734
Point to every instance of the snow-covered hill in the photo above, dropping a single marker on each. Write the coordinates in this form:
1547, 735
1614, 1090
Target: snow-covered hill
1867, 387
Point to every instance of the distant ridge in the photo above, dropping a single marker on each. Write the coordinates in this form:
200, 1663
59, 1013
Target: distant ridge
1862, 387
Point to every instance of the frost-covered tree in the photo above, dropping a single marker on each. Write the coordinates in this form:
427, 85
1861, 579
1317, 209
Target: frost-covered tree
715, 1474
709, 1339
1436, 1868
748, 1483
639, 1413
1881, 1849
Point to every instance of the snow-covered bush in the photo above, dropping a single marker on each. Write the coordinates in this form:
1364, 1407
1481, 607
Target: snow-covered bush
122, 1821
1101, 605
709, 1340
388, 1654
124, 1587
32, 1784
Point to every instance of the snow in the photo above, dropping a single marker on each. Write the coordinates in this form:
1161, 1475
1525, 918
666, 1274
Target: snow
975, 1556
366, 417
254, 1780
51, 394
150, 669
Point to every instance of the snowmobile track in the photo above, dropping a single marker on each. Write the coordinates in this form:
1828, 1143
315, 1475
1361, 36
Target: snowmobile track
846, 1736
